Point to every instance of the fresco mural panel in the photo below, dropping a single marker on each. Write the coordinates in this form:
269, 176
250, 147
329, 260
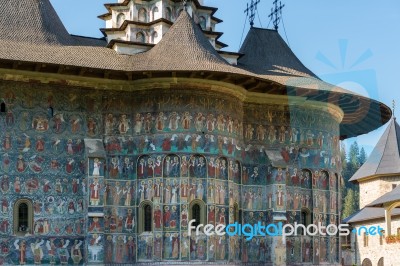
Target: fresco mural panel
167, 149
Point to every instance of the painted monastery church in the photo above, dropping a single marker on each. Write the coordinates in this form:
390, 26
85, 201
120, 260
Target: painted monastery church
109, 147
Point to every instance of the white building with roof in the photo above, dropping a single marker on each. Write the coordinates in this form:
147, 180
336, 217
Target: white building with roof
379, 186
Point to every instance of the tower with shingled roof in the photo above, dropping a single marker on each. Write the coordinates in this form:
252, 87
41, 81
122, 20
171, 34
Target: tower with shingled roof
379, 189
134, 26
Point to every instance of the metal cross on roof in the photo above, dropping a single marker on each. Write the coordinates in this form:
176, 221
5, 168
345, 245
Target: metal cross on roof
276, 13
251, 11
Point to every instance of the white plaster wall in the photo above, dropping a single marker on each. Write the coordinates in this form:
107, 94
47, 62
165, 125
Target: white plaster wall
372, 189
121, 49
374, 251
131, 13
109, 23
116, 35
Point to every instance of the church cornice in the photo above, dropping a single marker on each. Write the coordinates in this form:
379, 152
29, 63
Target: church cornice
130, 43
110, 6
132, 22
376, 176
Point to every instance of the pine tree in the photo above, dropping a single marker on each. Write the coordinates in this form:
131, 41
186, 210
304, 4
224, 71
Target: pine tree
362, 157
351, 164
349, 206
354, 154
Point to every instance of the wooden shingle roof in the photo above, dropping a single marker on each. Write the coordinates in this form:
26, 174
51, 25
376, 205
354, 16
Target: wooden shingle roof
35, 22
266, 53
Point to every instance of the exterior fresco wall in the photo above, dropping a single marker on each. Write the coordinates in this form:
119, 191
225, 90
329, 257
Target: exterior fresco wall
169, 149
303, 176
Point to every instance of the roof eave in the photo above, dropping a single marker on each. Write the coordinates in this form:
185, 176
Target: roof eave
113, 42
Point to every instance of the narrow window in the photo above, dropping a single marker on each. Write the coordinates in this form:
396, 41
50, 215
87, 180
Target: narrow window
50, 112
235, 213
140, 37
142, 15
202, 22
305, 219
168, 14
147, 218
155, 11
23, 217
196, 214
381, 237
154, 37
365, 239
120, 19
2, 107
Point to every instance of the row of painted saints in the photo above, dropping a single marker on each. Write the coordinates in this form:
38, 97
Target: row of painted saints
287, 134
150, 123
303, 157
173, 246
21, 185
187, 166
174, 191
222, 248
170, 246
57, 123
52, 251
52, 227
37, 164
214, 167
323, 250
25, 143
176, 246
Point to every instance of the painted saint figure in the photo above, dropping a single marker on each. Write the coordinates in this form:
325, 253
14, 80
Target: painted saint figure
95, 192
96, 167
123, 126
76, 253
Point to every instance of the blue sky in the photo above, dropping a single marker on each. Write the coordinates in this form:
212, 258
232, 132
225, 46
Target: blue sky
353, 43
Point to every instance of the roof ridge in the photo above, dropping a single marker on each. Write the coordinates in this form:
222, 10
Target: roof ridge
386, 143
377, 162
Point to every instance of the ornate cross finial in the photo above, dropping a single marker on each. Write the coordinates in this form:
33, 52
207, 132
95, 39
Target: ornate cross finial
394, 107
276, 13
251, 11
